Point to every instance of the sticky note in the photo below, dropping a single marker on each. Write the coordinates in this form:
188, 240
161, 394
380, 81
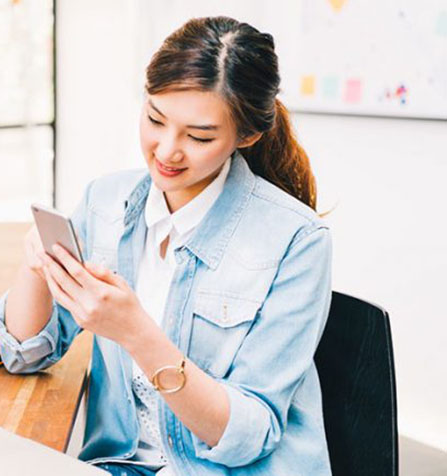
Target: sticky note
307, 85
330, 86
353, 91
337, 5
441, 23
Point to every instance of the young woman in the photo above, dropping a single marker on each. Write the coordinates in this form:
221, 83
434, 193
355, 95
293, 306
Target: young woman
208, 279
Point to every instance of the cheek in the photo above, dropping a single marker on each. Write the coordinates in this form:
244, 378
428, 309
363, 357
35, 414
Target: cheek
209, 162
147, 138
215, 155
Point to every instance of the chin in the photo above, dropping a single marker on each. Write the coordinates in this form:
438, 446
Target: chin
164, 185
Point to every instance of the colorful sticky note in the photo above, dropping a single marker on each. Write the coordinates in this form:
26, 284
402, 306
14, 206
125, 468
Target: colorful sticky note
308, 85
441, 24
330, 86
337, 5
353, 91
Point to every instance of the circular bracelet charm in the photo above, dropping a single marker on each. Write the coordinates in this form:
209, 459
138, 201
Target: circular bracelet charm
180, 369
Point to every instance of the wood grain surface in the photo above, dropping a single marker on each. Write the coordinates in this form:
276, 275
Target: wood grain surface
40, 406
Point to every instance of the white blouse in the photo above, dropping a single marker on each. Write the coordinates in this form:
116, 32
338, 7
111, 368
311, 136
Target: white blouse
152, 286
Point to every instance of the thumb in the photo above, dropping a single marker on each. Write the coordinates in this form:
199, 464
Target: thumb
103, 273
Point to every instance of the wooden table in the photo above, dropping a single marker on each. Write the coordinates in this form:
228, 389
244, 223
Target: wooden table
40, 406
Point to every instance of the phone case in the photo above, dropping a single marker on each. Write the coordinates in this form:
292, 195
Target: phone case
54, 227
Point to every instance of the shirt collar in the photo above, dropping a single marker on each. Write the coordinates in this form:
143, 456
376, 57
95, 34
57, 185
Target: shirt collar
207, 244
190, 215
211, 238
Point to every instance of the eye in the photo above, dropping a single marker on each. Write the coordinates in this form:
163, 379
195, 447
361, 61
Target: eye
201, 140
154, 121
196, 139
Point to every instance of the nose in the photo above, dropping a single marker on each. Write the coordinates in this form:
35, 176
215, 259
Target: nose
168, 152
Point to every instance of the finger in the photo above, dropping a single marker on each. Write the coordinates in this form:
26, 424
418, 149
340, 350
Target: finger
60, 297
35, 262
73, 267
104, 274
35, 241
31, 256
65, 282
37, 265
56, 291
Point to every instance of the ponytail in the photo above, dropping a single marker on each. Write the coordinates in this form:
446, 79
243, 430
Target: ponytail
278, 158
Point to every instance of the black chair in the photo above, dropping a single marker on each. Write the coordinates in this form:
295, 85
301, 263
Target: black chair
356, 368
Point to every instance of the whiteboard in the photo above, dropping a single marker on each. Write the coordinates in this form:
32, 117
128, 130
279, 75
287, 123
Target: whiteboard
382, 57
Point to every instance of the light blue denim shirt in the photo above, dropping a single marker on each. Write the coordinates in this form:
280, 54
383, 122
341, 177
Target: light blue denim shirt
248, 303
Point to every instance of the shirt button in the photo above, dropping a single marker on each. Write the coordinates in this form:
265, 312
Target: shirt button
170, 441
225, 316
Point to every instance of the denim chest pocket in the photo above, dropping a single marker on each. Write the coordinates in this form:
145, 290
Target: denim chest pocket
220, 324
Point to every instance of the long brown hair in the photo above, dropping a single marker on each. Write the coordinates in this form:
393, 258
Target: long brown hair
239, 63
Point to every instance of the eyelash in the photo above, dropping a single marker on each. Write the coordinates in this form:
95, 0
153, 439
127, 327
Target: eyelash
200, 141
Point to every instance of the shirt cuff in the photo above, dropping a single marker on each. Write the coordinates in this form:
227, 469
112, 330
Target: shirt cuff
243, 439
30, 350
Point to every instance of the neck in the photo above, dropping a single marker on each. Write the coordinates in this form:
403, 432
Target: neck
179, 198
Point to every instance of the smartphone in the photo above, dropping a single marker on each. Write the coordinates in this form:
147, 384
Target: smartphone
54, 227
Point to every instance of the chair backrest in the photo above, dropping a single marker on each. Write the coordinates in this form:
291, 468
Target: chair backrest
356, 369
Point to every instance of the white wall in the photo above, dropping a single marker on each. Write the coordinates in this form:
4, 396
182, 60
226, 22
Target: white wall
96, 103
387, 176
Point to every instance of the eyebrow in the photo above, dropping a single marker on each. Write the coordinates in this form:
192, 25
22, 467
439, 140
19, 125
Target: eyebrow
205, 127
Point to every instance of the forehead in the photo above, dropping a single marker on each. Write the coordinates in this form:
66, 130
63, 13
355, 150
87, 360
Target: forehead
190, 106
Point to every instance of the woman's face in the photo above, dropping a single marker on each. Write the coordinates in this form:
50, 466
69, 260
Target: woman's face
188, 130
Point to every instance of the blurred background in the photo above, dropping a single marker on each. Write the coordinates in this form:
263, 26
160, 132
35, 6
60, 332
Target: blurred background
366, 84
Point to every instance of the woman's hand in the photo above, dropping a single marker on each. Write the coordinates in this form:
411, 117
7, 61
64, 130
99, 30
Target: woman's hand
99, 300
33, 249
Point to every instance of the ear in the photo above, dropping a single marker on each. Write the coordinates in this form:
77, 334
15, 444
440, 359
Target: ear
248, 141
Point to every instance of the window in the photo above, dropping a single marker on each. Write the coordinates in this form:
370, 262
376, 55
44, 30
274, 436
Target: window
27, 106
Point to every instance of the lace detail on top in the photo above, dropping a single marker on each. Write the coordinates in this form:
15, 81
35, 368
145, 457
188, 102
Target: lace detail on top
146, 404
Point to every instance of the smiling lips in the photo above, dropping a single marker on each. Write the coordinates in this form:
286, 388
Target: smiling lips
167, 171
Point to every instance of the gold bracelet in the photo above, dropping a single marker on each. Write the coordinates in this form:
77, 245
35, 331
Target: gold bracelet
180, 368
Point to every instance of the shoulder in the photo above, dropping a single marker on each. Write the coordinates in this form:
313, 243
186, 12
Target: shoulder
269, 196
281, 212
120, 183
107, 193
273, 221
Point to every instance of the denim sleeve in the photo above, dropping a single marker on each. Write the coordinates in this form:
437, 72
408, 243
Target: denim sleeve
52, 342
276, 353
